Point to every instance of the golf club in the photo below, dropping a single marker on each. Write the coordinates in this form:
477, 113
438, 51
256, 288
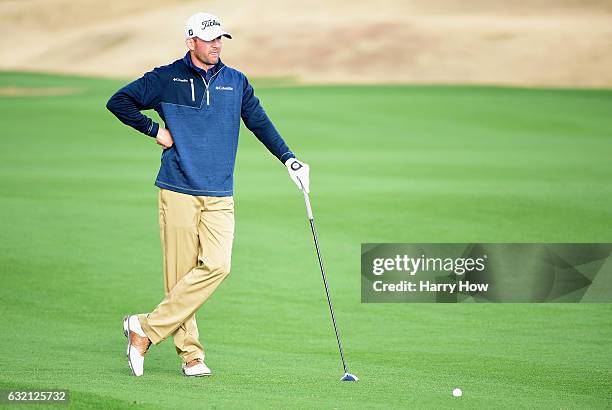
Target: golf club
347, 377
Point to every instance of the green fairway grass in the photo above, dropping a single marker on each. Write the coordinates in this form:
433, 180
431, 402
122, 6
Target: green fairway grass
80, 249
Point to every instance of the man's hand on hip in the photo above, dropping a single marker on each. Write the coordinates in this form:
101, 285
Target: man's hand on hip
299, 173
164, 138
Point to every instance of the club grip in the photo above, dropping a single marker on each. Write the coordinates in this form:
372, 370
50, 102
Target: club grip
308, 208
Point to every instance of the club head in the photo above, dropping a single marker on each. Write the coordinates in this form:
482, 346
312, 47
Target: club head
349, 378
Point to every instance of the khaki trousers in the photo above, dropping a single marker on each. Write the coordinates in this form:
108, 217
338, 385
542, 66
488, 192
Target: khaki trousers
197, 234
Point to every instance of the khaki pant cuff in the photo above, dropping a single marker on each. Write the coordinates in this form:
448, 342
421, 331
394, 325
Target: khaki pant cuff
151, 334
192, 356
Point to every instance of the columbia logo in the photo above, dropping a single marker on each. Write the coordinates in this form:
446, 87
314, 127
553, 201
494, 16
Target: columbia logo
179, 79
225, 88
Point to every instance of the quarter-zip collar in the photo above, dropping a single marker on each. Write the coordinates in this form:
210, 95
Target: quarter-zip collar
206, 74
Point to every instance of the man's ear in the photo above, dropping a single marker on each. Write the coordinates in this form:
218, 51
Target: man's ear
190, 42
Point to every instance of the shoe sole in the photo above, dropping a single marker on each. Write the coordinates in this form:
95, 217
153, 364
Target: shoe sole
126, 333
196, 375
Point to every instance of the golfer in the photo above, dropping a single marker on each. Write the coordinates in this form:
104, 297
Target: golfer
201, 102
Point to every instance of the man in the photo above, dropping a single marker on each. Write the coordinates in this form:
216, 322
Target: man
201, 101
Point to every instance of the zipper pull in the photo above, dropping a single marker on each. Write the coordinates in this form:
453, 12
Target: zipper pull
207, 97
192, 90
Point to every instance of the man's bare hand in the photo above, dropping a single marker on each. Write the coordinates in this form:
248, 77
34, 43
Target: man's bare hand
164, 138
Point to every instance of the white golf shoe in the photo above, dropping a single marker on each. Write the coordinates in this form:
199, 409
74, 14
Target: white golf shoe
138, 344
196, 368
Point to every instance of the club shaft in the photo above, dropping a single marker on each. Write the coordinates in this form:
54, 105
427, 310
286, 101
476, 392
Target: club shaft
331, 309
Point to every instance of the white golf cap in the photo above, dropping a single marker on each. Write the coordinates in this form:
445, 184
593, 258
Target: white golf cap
205, 26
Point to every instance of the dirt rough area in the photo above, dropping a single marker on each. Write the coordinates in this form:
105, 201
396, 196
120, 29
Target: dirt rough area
561, 43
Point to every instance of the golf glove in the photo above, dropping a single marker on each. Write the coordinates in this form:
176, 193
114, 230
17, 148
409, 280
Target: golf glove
298, 171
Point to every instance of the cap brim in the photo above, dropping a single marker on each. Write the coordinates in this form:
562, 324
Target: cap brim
213, 34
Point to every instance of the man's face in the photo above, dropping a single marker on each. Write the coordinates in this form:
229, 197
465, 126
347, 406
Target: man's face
207, 52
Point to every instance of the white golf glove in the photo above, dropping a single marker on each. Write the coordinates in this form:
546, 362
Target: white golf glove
299, 173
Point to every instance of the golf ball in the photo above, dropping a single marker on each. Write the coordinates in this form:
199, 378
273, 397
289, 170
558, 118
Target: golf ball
457, 392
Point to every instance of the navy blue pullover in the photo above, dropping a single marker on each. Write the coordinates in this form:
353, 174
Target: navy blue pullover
202, 111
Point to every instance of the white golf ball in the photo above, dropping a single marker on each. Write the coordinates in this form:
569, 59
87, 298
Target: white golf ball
457, 392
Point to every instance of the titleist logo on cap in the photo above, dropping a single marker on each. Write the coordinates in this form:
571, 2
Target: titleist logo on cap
209, 23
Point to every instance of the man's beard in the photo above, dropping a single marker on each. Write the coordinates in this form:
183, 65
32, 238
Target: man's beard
204, 59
